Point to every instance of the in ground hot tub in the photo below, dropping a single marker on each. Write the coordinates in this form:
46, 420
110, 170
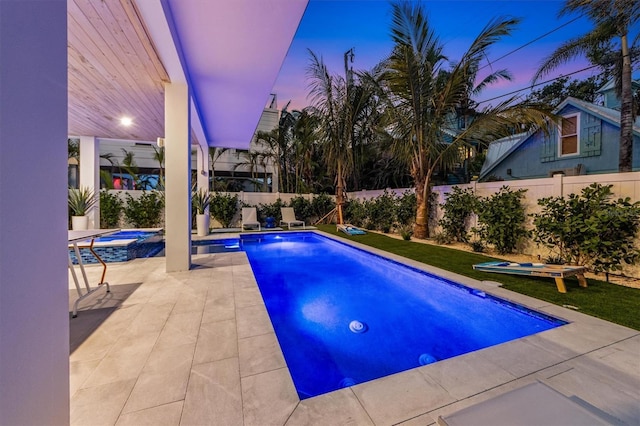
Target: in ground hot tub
123, 246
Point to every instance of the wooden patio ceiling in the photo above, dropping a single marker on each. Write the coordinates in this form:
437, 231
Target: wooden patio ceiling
113, 71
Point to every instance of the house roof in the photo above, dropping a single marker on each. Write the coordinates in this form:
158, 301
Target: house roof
611, 84
505, 146
607, 114
499, 149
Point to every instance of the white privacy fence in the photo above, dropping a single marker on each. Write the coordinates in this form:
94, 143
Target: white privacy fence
244, 198
624, 185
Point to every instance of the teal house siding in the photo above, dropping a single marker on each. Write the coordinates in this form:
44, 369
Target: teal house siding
537, 155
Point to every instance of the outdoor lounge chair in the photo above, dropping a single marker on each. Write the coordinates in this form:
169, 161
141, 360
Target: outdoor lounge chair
250, 218
532, 404
559, 272
289, 218
350, 229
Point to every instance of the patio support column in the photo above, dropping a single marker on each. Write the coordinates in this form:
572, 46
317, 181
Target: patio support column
34, 294
90, 174
177, 139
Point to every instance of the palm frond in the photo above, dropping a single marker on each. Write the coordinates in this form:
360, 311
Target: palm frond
492, 79
565, 53
490, 34
607, 26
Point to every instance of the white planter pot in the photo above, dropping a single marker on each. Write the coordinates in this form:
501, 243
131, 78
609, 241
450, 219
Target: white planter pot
79, 223
202, 224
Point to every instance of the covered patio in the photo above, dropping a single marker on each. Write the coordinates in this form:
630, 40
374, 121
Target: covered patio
189, 73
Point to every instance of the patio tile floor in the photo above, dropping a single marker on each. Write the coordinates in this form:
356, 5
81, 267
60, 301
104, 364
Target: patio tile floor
198, 348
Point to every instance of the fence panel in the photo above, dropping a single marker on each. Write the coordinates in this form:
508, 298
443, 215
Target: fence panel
624, 185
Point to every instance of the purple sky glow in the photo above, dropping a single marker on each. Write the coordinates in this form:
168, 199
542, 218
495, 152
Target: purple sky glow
331, 27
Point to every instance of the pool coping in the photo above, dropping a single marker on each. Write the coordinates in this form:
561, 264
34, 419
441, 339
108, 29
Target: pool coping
116, 243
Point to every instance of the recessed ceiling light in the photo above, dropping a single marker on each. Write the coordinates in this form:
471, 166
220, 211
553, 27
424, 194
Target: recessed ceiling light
126, 121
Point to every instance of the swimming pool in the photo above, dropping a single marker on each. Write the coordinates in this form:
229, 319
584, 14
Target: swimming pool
344, 316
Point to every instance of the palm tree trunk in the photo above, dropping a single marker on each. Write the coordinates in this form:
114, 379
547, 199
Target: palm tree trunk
339, 196
422, 211
265, 184
626, 112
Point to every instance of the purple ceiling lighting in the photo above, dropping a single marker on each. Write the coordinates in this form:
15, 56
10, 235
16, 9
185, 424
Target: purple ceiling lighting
233, 50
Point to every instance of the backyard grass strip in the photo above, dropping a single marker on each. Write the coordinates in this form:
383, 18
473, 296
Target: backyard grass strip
603, 300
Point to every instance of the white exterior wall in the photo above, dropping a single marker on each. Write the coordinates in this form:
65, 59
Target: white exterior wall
227, 161
143, 151
90, 175
34, 298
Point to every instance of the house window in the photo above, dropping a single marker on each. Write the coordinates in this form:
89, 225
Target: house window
569, 135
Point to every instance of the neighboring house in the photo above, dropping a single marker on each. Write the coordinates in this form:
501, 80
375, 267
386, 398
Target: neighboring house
234, 164
459, 173
229, 166
586, 142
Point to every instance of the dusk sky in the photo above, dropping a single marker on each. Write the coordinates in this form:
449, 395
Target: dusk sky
332, 27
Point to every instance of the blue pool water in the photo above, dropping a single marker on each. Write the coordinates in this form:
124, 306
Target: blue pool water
128, 234
226, 245
343, 316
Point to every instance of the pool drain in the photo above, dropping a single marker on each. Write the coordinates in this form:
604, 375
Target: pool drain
425, 359
358, 327
347, 382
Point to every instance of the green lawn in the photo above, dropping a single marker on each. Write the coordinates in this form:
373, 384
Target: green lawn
611, 302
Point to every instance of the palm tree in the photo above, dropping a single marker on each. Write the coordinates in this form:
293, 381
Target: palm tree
264, 159
341, 106
423, 96
283, 144
107, 175
612, 19
73, 149
251, 161
304, 149
159, 156
289, 146
130, 166
273, 153
215, 152
328, 95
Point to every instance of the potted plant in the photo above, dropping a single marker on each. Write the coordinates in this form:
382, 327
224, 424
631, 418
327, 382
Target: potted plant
81, 200
201, 200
